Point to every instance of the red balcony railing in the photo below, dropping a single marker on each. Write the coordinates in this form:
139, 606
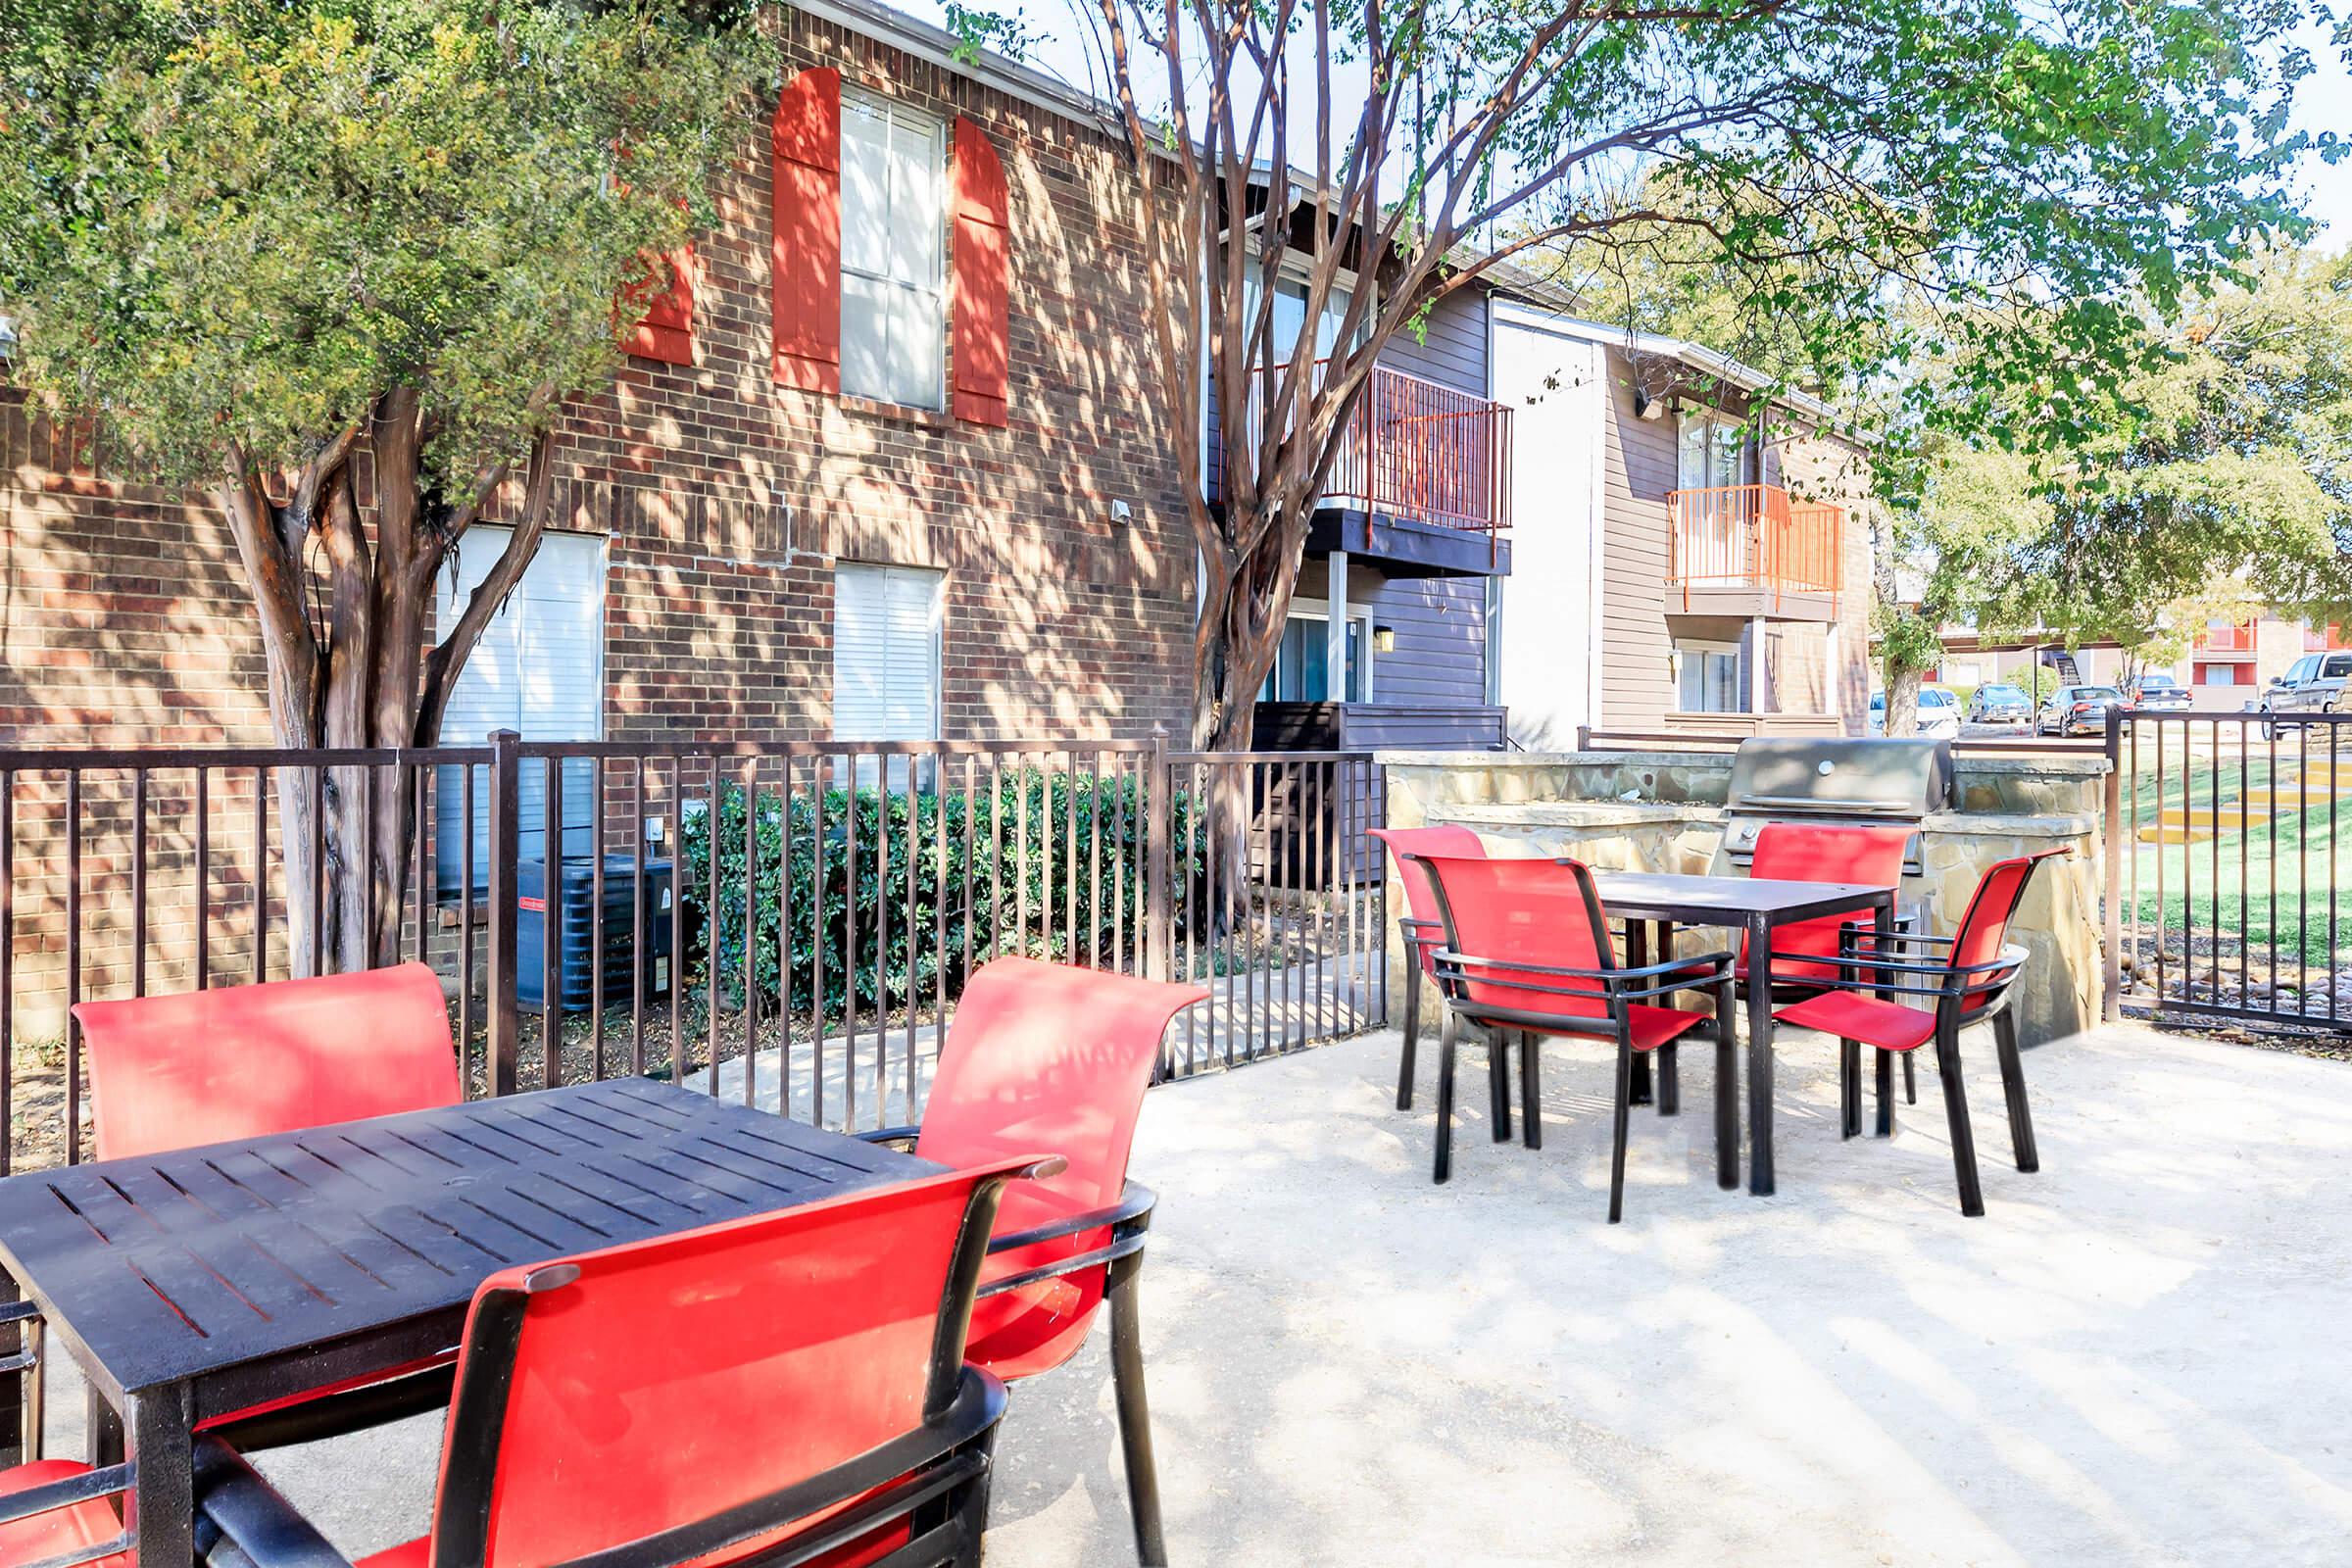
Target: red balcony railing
2227, 639
1422, 451
2327, 638
1754, 536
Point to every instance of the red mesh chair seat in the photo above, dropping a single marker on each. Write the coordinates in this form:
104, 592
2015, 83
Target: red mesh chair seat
1527, 950
787, 1383
1887, 1025
1042, 1055
1421, 927
58, 1532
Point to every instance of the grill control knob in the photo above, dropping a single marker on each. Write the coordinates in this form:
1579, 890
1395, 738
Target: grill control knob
1825, 767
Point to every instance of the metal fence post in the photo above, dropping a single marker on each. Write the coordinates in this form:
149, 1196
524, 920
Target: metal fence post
2112, 970
1160, 810
505, 849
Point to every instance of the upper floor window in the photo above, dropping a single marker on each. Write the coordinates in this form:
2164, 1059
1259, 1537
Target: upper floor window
1714, 452
893, 224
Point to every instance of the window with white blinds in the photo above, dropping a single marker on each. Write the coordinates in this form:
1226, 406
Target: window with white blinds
538, 670
886, 623
893, 228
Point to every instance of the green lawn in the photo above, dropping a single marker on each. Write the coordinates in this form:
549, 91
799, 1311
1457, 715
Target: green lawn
2278, 876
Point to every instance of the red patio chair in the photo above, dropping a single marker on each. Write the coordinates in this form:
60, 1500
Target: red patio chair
1972, 982
1419, 923
242, 1061
1044, 1055
1527, 948
789, 1387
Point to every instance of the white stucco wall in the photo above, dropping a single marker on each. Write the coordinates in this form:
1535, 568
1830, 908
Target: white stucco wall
1546, 645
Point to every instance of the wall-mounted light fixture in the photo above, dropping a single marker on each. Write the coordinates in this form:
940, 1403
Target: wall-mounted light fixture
1383, 639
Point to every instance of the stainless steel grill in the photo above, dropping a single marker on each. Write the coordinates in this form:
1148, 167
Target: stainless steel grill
1834, 781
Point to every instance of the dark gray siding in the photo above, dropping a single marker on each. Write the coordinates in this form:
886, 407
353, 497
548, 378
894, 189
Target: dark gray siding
1452, 350
1439, 660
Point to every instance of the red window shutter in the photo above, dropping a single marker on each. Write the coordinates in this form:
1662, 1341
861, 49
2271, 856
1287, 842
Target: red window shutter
805, 250
667, 331
983, 253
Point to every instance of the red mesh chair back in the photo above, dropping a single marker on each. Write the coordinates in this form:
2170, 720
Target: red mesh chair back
1984, 925
1446, 839
1045, 1056
1801, 852
205, 1066
1503, 915
655, 1393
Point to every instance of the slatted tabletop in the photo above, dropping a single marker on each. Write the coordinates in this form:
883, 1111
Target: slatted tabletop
1727, 899
177, 1267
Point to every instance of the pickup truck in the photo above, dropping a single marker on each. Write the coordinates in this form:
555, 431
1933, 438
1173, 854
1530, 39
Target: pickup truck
2316, 683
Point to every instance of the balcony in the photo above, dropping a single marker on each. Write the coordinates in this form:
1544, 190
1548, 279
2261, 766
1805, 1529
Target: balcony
1422, 479
1753, 549
2330, 638
2227, 639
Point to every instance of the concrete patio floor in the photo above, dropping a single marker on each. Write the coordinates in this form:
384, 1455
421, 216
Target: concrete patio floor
2133, 1358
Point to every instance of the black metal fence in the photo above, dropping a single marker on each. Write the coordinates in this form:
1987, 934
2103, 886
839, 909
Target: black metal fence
786, 923
2229, 844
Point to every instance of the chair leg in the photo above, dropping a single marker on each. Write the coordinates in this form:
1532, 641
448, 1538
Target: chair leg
1134, 1412
1955, 1106
1412, 1035
1886, 1087
1449, 1042
1623, 1114
1727, 1089
1498, 1080
1910, 1079
971, 1511
1670, 1082
1849, 1087
1531, 1088
2013, 1085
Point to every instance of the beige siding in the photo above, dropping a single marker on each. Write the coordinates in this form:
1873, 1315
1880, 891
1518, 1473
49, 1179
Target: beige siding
1815, 666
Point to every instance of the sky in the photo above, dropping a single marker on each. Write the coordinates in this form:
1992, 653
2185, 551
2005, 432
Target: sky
2323, 105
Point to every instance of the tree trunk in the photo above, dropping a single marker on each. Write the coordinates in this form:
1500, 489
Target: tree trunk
348, 831
1902, 698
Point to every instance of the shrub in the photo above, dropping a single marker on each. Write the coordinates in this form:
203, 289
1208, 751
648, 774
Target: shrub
980, 837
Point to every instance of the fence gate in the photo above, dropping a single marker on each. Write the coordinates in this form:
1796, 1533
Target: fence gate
2229, 853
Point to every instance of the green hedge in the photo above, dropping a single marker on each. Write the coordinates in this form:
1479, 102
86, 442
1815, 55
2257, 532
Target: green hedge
1104, 808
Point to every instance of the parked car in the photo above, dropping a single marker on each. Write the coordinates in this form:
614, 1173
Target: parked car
2077, 711
2156, 694
1938, 714
2000, 703
2316, 683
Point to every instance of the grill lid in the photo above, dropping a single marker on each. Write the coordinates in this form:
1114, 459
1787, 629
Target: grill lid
1807, 776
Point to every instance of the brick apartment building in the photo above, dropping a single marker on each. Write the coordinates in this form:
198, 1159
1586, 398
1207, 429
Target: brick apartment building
781, 520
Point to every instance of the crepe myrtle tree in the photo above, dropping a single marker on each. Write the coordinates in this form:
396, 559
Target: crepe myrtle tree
1980, 153
264, 244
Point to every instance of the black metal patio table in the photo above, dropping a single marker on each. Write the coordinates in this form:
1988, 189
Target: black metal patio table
1755, 906
192, 1285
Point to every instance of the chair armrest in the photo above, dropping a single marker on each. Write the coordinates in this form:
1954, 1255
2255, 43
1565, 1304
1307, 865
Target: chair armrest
1516, 966
1135, 1204
88, 1487
248, 1523
900, 1139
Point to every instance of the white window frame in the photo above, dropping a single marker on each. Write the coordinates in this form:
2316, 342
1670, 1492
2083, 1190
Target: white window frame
1750, 464
1735, 651
932, 292
1319, 609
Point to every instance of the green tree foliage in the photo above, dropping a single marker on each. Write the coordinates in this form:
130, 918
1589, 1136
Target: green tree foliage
258, 239
2023, 169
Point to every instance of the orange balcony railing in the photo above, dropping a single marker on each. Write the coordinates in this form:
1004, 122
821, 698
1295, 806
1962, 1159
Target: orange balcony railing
2232, 639
2327, 638
1416, 450
1754, 536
